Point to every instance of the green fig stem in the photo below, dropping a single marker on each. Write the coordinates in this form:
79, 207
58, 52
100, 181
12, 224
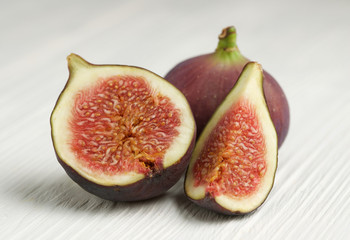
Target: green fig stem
227, 49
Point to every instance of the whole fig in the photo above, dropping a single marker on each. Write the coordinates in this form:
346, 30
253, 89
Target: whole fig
206, 80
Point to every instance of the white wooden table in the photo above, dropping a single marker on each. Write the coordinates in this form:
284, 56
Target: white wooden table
304, 44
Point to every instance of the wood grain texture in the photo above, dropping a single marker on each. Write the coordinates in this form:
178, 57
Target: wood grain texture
303, 44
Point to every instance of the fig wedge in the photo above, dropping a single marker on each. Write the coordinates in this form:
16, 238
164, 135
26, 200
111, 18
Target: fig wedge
233, 165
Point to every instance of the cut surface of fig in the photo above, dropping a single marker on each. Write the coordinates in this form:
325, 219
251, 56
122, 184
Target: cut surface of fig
118, 127
234, 162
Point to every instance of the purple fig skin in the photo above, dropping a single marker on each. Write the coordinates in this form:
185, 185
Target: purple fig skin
206, 80
149, 187
208, 202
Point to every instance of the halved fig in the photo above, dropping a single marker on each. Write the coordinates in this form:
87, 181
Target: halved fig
233, 165
122, 133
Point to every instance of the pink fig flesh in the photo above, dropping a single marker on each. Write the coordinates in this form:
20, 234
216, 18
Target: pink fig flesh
122, 133
233, 165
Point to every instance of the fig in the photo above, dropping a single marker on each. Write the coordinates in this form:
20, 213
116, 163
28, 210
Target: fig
233, 165
205, 80
122, 133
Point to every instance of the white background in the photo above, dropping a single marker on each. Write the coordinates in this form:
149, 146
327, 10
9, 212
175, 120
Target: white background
304, 44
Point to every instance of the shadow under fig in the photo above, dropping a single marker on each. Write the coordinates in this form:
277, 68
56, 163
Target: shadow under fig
62, 192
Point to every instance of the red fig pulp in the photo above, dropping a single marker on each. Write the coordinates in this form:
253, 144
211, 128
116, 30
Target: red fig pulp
207, 79
233, 165
121, 132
